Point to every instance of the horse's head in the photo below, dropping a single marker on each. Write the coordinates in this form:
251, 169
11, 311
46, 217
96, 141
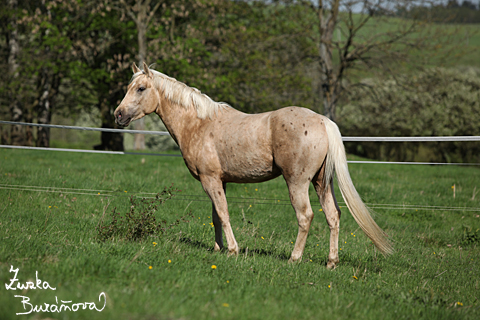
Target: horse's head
141, 98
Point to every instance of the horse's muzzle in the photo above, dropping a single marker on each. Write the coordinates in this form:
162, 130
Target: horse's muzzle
121, 119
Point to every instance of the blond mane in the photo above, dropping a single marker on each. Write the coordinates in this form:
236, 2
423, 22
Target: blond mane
188, 97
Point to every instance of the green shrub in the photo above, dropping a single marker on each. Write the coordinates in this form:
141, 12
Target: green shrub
140, 222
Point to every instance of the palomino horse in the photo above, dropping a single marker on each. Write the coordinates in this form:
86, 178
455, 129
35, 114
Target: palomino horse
220, 144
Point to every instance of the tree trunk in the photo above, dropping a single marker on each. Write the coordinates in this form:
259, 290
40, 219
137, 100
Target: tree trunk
109, 140
139, 139
326, 25
17, 133
44, 111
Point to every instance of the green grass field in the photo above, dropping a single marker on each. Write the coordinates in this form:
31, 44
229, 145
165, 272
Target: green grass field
432, 275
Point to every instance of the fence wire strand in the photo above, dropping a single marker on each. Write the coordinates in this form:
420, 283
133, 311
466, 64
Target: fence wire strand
232, 200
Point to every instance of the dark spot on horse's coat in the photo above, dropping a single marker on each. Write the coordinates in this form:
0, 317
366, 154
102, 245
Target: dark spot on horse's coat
211, 135
304, 124
309, 179
306, 132
291, 123
283, 125
219, 193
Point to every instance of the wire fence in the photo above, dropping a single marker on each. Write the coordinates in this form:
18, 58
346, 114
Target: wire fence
231, 199
345, 139
164, 133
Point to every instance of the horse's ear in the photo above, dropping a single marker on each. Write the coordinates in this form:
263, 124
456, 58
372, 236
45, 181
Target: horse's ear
146, 70
135, 69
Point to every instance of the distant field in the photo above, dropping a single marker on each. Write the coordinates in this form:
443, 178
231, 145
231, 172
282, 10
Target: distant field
431, 214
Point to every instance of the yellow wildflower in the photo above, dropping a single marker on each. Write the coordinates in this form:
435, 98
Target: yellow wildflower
214, 267
150, 267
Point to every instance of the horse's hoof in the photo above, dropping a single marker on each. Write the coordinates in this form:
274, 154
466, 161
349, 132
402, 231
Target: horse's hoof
331, 265
294, 260
217, 248
233, 252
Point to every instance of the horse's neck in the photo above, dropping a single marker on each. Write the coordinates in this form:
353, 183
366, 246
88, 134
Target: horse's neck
178, 120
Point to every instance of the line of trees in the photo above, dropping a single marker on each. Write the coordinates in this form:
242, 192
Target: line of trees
69, 57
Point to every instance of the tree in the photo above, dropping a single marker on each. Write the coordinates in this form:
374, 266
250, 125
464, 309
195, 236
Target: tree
353, 36
17, 133
141, 12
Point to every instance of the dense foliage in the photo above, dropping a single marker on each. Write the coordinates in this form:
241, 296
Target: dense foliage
436, 102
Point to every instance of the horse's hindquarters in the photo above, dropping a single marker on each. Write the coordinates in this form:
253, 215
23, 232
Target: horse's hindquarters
299, 142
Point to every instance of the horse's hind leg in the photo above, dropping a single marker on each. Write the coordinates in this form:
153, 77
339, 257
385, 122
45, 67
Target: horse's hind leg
332, 212
301, 204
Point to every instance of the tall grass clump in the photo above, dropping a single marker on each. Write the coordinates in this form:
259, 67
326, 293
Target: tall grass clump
141, 221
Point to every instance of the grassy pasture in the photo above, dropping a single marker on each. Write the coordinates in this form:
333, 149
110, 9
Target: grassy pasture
432, 275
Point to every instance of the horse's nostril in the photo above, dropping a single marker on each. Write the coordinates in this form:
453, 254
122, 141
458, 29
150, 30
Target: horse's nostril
119, 115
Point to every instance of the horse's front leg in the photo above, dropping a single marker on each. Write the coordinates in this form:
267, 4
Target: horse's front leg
217, 223
216, 191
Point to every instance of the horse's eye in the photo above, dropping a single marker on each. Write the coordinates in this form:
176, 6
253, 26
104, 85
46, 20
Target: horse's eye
140, 89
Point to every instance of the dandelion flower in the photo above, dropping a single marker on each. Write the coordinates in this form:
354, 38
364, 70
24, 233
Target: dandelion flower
214, 267
263, 238
125, 191
459, 304
256, 189
169, 261
154, 244
228, 281
150, 267
354, 277
329, 286
226, 305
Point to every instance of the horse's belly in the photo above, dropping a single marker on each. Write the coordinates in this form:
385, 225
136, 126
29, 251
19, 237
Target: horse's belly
241, 169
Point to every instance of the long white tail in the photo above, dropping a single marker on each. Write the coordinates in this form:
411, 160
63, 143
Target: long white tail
337, 162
